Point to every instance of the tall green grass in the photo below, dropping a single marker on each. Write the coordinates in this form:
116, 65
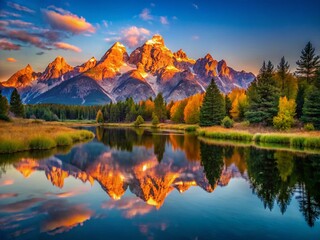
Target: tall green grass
43, 142
265, 138
234, 136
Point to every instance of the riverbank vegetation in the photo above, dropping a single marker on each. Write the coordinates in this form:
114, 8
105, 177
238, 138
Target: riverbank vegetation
277, 106
24, 135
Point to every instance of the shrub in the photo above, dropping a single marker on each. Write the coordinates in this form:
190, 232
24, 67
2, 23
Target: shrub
139, 121
4, 118
42, 142
245, 123
191, 128
227, 122
155, 120
309, 127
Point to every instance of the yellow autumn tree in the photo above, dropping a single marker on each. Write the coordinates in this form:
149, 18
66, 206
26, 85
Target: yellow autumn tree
239, 104
192, 109
287, 110
177, 111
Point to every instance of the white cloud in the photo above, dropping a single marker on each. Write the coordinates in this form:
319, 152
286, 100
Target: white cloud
195, 6
195, 37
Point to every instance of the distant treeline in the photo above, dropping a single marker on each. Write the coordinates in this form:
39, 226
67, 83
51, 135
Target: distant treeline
58, 112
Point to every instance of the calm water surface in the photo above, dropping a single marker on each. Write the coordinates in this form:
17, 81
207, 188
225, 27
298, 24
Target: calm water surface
138, 184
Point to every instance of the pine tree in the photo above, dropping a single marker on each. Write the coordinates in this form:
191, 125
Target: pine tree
263, 96
311, 106
213, 107
4, 107
160, 107
300, 100
228, 105
308, 63
286, 81
16, 106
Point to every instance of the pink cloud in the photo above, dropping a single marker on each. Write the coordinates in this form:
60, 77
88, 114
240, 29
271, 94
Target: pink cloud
63, 20
164, 20
145, 15
66, 46
133, 36
130, 207
12, 60
7, 182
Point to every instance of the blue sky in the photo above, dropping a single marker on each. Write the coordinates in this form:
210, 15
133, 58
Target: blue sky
242, 32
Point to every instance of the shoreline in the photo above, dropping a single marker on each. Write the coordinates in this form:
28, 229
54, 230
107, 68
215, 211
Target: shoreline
24, 135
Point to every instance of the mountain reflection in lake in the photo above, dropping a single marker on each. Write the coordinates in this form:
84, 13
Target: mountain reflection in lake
140, 184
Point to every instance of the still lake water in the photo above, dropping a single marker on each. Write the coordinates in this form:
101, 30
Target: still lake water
138, 184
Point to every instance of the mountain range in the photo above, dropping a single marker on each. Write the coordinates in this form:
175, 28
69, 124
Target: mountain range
148, 70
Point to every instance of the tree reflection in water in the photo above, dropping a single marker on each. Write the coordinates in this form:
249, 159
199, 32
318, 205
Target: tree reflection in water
151, 164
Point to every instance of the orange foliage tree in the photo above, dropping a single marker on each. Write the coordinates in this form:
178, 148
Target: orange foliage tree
192, 109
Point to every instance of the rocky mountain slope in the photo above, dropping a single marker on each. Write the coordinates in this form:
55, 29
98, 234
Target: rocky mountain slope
148, 70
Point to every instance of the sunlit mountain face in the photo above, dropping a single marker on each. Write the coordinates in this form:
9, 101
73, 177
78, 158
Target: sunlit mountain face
151, 183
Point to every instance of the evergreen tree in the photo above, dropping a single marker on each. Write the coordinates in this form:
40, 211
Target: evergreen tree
228, 105
213, 109
286, 81
16, 106
308, 63
160, 107
263, 96
311, 106
212, 162
300, 100
4, 107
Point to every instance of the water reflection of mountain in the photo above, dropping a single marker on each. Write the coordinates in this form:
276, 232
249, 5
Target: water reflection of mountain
151, 165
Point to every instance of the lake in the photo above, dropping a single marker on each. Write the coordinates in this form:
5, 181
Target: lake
143, 184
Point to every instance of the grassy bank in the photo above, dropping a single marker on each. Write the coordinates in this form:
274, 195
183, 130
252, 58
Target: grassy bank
24, 135
168, 126
297, 140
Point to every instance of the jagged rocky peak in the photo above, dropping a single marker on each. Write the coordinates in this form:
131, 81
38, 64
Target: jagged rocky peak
22, 78
181, 60
87, 65
156, 40
117, 53
109, 65
152, 56
56, 69
206, 67
223, 69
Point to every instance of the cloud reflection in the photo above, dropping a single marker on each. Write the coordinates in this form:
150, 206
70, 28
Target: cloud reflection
130, 207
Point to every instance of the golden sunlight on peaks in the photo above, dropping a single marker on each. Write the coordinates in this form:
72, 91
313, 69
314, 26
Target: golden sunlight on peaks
184, 186
152, 202
57, 176
144, 167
